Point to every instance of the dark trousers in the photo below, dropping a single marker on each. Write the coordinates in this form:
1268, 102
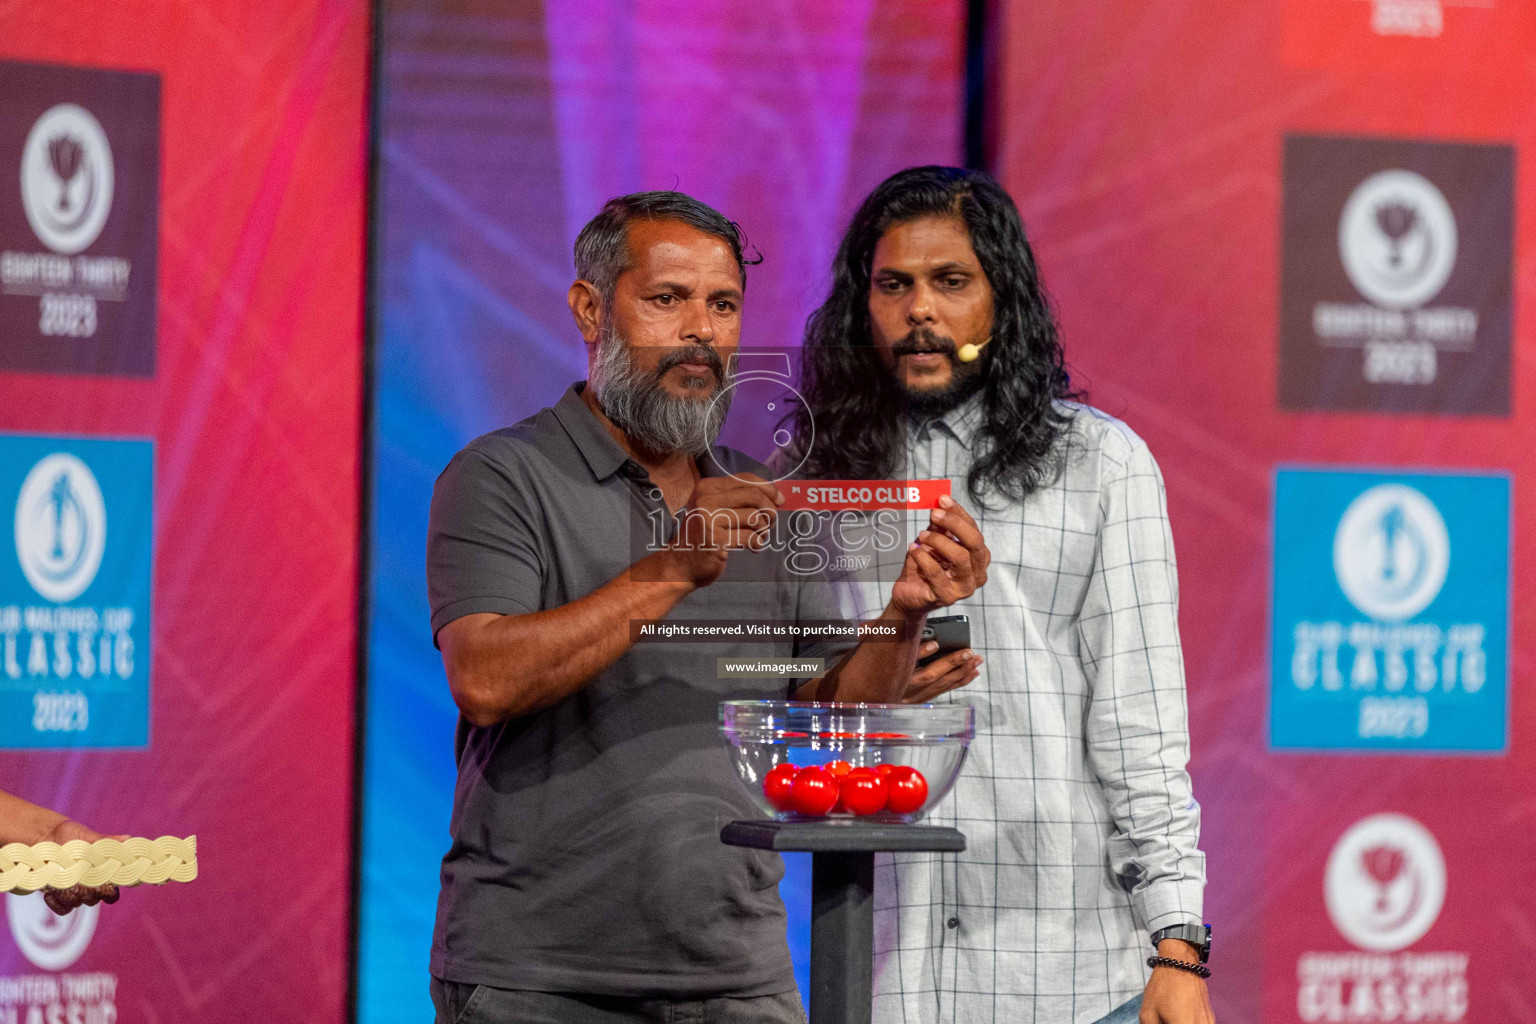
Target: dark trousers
457, 1003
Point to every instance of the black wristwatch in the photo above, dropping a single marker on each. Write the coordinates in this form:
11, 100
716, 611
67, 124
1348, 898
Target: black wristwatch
1196, 935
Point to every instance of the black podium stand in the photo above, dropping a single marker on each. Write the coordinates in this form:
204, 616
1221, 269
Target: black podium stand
842, 898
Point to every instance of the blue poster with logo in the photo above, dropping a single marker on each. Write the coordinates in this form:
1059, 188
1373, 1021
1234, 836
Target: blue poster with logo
1391, 611
75, 592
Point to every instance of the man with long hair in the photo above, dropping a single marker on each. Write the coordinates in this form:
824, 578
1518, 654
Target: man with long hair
937, 355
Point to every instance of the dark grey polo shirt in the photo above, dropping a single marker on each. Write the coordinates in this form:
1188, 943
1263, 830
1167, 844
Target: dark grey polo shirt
586, 851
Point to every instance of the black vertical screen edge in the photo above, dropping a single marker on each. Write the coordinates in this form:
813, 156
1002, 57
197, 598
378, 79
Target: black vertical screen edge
373, 125
980, 99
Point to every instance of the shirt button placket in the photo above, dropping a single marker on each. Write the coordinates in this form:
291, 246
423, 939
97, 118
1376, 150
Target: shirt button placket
651, 496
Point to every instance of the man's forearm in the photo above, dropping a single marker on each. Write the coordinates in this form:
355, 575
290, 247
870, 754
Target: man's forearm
503, 666
876, 671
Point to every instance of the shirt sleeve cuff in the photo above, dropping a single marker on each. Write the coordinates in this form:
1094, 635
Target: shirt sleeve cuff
1166, 904
494, 605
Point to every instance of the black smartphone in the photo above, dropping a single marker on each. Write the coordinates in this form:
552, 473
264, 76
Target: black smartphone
951, 632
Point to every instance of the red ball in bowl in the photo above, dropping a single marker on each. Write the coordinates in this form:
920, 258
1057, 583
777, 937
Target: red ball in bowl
814, 792
864, 792
777, 786
907, 790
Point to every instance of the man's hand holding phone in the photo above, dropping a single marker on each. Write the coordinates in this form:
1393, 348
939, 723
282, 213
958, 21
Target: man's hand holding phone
947, 563
945, 660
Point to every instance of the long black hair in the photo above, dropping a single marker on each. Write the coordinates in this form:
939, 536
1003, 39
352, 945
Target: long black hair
854, 406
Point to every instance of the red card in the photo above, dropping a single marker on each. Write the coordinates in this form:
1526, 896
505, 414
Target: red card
862, 495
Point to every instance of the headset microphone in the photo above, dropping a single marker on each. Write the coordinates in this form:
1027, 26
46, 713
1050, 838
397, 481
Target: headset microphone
969, 353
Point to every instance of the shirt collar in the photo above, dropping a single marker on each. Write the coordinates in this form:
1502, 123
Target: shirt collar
603, 454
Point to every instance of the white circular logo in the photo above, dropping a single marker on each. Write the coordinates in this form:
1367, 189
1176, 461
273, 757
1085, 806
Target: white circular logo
66, 178
48, 940
758, 386
1397, 237
61, 527
1385, 882
1391, 552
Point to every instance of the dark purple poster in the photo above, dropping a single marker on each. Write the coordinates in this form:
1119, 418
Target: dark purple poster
79, 213
1395, 279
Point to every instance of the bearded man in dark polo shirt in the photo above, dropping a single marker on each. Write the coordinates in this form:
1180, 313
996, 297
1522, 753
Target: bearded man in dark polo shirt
586, 881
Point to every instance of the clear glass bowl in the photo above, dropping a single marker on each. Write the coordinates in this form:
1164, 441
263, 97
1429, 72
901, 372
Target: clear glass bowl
931, 738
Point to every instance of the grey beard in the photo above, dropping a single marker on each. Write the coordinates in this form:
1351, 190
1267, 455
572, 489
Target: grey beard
637, 403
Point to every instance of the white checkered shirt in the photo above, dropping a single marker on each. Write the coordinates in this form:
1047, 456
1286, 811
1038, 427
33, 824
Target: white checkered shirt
1081, 827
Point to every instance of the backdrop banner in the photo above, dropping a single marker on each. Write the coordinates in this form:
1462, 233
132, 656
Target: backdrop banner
1286, 243
181, 263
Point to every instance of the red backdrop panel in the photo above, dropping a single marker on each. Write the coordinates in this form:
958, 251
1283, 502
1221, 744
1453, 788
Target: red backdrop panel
255, 413
1143, 142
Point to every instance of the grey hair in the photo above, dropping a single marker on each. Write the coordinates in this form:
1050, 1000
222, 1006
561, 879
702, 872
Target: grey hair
602, 247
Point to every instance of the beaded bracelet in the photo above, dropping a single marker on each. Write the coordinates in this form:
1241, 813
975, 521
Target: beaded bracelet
1199, 970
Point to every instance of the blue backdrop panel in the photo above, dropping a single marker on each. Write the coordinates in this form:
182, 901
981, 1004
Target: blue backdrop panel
503, 131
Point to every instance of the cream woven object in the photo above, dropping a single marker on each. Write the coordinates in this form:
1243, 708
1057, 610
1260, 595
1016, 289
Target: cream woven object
26, 868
